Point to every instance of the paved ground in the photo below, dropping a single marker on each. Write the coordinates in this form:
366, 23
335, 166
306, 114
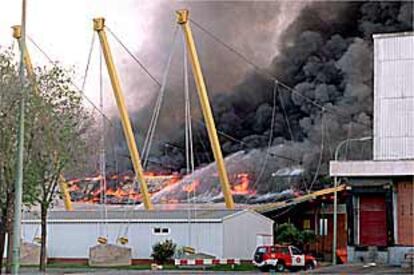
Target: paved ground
360, 269
340, 269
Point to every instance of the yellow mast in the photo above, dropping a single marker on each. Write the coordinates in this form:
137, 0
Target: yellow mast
99, 27
182, 19
17, 34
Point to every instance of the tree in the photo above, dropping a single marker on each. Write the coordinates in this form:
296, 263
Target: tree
11, 91
55, 126
163, 251
61, 123
288, 233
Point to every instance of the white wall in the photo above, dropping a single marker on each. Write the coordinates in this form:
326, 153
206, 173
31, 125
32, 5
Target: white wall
73, 240
241, 234
394, 96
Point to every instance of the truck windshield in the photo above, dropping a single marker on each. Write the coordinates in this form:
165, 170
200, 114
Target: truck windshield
261, 250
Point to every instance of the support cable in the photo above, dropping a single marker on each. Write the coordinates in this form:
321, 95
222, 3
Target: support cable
129, 52
103, 153
315, 178
123, 45
81, 92
264, 72
271, 134
155, 115
282, 104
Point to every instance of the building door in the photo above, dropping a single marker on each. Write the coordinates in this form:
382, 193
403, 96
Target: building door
373, 223
405, 208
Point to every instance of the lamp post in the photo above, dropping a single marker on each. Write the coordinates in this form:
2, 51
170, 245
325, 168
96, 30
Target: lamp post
335, 217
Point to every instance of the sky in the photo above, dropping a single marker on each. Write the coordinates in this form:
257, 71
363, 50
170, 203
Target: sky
63, 28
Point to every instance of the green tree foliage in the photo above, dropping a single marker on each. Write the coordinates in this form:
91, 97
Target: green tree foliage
55, 127
163, 251
287, 233
61, 123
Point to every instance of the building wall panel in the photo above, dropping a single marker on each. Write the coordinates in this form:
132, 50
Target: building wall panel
73, 240
405, 206
393, 97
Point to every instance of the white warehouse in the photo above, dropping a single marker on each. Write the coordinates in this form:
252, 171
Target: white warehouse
221, 233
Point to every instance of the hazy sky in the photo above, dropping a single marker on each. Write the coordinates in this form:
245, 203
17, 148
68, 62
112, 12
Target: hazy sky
63, 28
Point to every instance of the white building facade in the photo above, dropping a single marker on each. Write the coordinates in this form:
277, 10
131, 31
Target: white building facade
220, 233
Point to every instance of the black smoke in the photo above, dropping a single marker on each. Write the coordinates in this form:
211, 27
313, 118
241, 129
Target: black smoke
326, 55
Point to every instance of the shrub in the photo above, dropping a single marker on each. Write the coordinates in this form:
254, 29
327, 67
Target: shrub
163, 251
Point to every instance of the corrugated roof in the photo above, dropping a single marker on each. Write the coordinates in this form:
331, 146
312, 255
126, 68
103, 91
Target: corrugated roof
136, 215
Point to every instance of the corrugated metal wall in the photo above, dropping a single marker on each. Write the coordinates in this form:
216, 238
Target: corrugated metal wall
73, 240
394, 96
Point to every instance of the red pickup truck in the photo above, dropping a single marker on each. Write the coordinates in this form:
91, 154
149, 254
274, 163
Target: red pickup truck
281, 257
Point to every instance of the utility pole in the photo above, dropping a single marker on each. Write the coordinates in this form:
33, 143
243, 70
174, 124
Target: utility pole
335, 217
183, 20
18, 188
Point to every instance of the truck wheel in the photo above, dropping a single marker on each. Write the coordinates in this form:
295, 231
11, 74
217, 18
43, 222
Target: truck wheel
309, 266
264, 268
280, 267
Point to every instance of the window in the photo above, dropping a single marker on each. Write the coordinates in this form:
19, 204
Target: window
160, 230
282, 249
295, 251
323, 227
306, 224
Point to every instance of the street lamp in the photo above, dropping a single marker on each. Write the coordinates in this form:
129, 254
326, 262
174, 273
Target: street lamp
335, 218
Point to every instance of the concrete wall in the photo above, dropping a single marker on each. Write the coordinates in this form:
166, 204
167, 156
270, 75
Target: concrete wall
394, 96
396, 254
242, 233
73, 240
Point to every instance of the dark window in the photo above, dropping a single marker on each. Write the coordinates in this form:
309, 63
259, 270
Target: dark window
295, 251
160, 230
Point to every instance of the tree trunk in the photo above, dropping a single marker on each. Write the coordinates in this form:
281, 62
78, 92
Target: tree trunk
2, 237
43, 257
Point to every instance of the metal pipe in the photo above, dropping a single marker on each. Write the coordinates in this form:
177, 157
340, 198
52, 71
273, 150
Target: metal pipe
335, 217
182, 19
99, 27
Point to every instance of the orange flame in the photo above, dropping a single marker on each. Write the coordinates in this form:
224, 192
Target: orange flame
242, 188
189, 188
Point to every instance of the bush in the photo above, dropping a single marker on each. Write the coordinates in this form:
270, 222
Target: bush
163, 251
287, 233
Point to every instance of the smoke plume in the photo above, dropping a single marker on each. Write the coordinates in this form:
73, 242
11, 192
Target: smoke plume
325, 54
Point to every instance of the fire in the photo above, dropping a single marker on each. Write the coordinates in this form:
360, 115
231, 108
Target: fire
242, 187
191, 187
120, 188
